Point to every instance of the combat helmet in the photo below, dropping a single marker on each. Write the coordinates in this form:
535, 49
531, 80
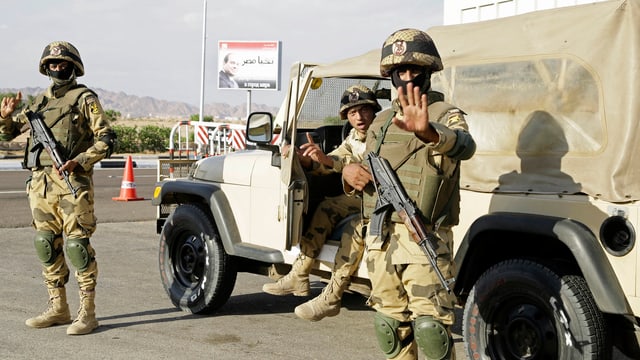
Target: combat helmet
357, 95
61, 50
409, 47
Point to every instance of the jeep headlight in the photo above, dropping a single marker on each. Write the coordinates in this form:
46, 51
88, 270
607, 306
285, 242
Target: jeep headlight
617, 235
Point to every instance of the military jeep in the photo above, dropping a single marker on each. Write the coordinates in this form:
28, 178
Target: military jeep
546, 246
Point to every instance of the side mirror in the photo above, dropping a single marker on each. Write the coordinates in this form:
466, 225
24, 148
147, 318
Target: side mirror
260, 128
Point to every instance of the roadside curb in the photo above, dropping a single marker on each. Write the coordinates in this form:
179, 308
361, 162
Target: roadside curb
14, 162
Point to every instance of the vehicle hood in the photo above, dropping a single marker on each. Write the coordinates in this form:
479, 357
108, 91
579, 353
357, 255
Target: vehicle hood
234, 168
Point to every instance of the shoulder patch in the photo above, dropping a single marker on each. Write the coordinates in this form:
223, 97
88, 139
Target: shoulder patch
92, 101
454, 116
94, 108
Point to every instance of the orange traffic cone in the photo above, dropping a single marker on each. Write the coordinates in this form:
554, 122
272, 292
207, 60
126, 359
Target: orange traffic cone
128, 187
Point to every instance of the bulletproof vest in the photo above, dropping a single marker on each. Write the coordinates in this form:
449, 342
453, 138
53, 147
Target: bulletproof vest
417, 167
68, 125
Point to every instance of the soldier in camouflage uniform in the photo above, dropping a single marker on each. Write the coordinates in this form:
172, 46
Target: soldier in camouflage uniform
77, 121
359, 105
424, 139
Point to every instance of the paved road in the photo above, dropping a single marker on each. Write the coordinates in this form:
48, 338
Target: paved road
137, 319
107, 185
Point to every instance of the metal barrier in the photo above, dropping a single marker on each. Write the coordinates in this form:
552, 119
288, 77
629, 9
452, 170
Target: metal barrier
208, 139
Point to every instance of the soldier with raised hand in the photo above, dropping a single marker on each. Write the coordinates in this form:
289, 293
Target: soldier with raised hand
358, 105
76, 120
424, 139
7, 107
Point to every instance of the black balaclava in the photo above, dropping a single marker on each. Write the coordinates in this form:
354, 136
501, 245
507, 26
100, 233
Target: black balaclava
62, 77
422, 81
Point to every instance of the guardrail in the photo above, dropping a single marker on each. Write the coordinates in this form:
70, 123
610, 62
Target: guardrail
209, 139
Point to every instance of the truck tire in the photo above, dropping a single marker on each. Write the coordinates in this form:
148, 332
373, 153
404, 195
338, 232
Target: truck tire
520, 309
196, 272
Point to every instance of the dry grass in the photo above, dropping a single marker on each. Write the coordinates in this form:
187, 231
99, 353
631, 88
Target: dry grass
140, 122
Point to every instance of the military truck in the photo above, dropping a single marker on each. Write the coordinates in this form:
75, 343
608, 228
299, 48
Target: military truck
548, 266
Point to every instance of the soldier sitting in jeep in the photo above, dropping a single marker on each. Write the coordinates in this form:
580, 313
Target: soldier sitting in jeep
358, 105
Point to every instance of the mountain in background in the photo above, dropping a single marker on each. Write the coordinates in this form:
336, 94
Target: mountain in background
132, 106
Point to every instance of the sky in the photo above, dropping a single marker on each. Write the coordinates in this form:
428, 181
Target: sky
154, 47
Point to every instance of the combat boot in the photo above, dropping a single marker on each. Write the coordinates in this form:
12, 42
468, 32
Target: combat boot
56, 314
86, 321
296, 282
328, 303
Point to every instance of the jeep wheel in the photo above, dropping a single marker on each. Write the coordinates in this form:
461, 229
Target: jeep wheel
196, 272
519, 309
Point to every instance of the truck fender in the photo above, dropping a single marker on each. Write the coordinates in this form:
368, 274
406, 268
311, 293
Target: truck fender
576, 237
210, 194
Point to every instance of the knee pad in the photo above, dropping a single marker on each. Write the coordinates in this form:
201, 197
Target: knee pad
387, 334
432, 338
46, 248
78, 252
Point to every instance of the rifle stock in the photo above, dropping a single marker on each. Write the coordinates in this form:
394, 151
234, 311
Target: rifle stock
391, 192
43, 138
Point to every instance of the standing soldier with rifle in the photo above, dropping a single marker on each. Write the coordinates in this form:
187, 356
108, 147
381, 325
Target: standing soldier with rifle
424, 139
69, 134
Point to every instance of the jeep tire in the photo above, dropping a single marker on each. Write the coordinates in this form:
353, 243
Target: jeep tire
520, 309
196, 272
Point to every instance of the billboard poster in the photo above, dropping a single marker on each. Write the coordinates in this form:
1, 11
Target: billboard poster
249, 65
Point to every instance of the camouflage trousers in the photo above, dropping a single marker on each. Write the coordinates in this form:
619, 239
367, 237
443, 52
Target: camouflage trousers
405, 287
350, 251
55, 210
327, 215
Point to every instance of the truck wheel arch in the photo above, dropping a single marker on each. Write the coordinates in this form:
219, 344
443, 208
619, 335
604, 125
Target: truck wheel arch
213, 198
489, 232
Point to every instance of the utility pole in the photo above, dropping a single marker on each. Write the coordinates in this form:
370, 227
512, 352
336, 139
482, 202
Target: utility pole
204, 51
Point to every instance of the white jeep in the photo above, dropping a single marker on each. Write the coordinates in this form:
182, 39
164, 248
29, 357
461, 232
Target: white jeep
546, 247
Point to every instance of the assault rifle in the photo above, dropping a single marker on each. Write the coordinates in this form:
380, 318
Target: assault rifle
43, 138
391, 192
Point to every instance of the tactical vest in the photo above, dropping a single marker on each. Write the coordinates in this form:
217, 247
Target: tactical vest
435, 194
68, 125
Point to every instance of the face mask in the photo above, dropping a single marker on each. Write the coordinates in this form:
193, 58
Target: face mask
62, 74
420, 81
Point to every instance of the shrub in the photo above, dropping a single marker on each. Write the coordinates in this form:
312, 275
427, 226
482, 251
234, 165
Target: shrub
154, 138
149, 138
127, 139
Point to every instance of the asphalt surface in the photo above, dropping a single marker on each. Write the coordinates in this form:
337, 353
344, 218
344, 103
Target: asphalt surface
137, 319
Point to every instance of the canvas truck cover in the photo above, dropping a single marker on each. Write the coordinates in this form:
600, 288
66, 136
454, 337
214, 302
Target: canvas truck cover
550, 97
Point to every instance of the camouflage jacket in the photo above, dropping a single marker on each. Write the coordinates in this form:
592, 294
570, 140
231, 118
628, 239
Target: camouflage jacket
350, 150
87, 109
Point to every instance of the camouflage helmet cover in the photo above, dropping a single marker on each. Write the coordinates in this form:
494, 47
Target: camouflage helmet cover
61, 50
357, 95
409, 47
